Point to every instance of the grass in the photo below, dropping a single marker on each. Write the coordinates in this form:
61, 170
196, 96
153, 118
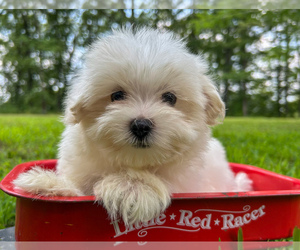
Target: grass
273, 144
24, 138
269, 143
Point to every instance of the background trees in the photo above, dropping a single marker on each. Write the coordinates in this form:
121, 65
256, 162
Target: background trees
253, 55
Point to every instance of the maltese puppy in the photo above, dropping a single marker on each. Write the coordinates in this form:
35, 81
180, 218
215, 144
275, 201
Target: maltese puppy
138, 120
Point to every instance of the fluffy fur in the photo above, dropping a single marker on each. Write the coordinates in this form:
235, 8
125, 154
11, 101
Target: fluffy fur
99, 155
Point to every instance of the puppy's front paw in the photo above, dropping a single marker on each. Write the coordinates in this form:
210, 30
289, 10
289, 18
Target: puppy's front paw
46, 183
135, 196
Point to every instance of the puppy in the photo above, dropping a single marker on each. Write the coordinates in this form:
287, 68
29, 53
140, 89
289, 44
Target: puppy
138, 120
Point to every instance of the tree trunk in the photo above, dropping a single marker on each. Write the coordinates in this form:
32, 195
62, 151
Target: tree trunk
278, 91
27, 54
227, 69
132, 18
286, 72
243, 63
244, 99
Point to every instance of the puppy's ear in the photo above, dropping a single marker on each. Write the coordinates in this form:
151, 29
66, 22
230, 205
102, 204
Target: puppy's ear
74, 113
215, 107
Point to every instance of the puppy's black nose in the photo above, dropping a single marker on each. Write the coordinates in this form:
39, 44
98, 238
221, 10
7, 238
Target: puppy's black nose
141, 128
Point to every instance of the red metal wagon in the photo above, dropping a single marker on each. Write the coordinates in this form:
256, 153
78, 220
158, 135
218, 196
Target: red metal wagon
271, 211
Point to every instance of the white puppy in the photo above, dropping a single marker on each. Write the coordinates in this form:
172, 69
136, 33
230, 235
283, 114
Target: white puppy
138, 121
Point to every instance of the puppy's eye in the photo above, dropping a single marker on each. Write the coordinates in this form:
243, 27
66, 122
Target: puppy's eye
118, 96
169, 98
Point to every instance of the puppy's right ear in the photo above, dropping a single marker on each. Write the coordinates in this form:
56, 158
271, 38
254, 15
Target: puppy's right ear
215, 107
74, 113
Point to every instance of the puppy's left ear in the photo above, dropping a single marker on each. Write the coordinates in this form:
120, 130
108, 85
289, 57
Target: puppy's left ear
215, 107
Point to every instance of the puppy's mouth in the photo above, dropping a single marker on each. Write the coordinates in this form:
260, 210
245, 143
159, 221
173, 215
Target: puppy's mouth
140, 144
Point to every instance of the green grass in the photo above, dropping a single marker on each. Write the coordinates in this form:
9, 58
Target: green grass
24, 138
273, 144
269, 143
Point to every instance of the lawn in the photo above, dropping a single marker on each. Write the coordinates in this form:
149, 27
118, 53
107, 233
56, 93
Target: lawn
24, 138
273, 144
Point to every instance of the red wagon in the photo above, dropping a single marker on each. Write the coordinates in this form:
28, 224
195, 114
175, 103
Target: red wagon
271, 211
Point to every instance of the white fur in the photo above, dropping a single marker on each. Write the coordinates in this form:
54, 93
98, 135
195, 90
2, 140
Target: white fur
96, 153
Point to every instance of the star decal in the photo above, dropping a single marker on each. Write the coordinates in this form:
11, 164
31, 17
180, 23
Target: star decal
217, 222
172, 216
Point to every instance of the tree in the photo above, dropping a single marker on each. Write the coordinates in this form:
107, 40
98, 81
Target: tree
224, 36
252, 54
20, 67
281, 54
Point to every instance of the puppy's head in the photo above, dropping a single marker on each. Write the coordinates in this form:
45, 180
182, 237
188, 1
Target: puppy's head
144, 98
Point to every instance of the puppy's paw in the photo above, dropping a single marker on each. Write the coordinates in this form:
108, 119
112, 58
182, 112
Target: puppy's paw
135, 196
45, 183
243, 182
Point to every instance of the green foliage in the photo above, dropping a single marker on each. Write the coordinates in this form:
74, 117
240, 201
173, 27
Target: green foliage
240, 235
296, 234
240, 239
252, 54
150, 4
7, 210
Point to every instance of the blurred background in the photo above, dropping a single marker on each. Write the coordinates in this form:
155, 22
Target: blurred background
253, 54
